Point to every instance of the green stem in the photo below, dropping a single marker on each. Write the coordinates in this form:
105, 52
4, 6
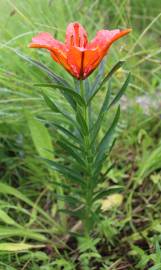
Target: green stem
81, 89
89, 165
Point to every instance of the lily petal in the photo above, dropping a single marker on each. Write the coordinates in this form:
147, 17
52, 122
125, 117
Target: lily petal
56, 48
99, 47
91, 61
76, 35
105, 38
75, 61
45, 40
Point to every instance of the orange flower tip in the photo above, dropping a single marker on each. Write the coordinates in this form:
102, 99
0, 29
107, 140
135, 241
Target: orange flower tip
34, 45
127, 30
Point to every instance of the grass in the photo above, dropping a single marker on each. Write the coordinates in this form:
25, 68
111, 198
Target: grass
130, 235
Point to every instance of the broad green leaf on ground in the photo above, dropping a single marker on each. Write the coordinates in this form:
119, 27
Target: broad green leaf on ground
41, 137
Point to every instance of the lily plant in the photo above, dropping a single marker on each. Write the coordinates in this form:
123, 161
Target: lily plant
79, 137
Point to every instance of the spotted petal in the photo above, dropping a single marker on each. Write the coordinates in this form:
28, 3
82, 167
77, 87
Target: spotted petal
46, 41
105, 38
98, 48
76, 35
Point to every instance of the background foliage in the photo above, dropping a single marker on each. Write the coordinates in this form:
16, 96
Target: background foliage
131, 231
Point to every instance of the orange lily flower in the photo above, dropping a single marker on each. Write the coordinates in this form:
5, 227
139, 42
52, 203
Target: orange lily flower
78, 56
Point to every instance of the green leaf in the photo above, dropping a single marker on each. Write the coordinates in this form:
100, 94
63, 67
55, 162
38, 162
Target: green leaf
72, 152
8, 190
107, 171
105, 142
104, 193
106, 106
60, 184
98, 79
23, 232
98, 166
121, 92
17, 247
71, 200
68, 173
40, 137
103, 110
50, 103
41, 66
87, 244
78, 213
70, 144
54, 107
57, 79
74, 95
106, 78
156, 267
67, 133
7, 219
82, 123
36, 256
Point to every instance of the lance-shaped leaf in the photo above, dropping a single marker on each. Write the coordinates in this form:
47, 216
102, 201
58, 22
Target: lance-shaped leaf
78, 213
98, 79
72, 152
109, 191
100, 162
67, 134
41, 66
55, 108
50, 103
66, 172
64, 186
98, 166
121, 92
71, 200
68, 142
106, 172
106, 141
106, 106
57, 79
106, 78
103, 110
73, 95
82, 123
